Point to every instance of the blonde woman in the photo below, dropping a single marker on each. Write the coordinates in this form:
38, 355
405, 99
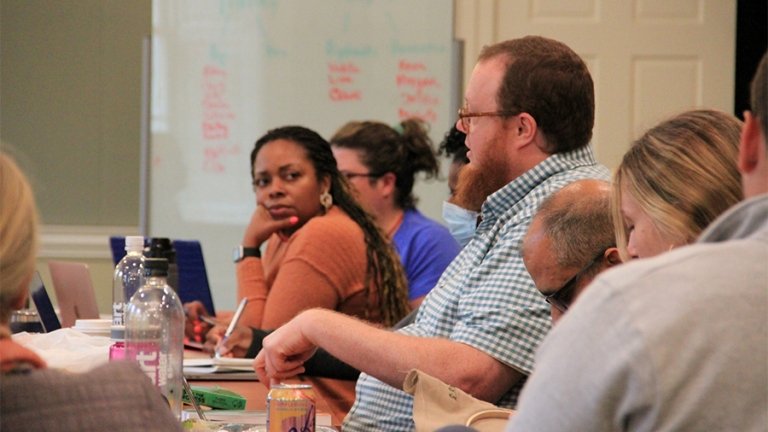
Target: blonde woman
675, 180
117, 396
18, 247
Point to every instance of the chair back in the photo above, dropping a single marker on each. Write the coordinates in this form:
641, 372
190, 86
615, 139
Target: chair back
193, 278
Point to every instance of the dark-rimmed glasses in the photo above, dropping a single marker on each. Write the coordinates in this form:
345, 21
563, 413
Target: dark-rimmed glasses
563, 297
350, 175
465, 115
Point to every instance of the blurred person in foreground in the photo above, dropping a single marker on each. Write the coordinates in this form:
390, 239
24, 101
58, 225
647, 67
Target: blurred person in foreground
116, 396
676, 342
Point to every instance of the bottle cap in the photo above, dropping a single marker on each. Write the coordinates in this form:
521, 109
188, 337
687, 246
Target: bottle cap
155, 267
161, 247
134, 243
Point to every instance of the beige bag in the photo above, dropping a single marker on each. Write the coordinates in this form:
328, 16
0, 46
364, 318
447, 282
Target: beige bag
436, 404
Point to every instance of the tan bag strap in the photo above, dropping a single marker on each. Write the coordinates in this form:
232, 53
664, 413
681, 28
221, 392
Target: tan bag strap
498, 413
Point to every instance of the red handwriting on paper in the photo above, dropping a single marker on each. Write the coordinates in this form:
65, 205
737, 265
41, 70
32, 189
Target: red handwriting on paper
342, 85
418, 89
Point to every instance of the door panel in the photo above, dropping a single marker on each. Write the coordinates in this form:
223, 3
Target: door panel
649, 58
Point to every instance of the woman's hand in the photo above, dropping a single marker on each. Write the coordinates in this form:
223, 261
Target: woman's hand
262, 225
236, 345
196, 326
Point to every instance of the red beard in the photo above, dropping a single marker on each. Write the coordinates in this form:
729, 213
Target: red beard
476, 183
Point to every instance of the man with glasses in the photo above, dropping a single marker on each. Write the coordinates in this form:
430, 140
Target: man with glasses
528, 116
570, 241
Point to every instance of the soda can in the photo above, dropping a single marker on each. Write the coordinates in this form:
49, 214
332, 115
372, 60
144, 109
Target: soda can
291, 408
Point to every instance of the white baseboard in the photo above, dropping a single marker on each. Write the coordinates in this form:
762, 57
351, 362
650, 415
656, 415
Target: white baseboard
79, 242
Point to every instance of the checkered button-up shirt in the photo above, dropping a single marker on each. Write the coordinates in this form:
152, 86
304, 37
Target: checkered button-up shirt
485, 298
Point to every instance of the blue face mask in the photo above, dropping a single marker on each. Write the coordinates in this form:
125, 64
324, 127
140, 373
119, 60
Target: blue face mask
461, 222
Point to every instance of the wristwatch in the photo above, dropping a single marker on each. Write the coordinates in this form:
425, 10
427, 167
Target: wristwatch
241, 252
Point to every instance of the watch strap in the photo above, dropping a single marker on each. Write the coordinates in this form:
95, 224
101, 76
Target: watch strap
242, 252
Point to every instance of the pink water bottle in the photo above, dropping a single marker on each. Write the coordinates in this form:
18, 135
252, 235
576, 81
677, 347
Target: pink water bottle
117, 349
154, 332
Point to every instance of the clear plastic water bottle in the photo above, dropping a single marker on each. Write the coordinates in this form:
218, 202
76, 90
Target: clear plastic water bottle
117, 349
154, 332
127, 277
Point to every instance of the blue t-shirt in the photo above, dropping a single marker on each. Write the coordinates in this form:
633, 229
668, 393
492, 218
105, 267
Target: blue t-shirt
426, 248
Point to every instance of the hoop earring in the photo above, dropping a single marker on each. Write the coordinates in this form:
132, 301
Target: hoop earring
326, 200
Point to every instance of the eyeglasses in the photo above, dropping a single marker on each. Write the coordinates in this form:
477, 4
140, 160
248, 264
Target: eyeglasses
563, 297
351, 175
464, 116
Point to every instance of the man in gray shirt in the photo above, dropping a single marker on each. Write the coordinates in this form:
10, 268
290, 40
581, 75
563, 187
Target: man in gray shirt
676, 342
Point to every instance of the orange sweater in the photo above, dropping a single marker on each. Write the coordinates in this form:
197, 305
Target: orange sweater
322, 264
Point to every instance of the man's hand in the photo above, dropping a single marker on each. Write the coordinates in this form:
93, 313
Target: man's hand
284, 351
236, 345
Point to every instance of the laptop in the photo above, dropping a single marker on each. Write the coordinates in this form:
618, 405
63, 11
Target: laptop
74, 291
43, 304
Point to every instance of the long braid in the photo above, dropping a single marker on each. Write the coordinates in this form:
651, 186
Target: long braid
404, 150
383, 268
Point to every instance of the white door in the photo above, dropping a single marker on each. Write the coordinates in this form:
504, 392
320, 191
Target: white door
649, 58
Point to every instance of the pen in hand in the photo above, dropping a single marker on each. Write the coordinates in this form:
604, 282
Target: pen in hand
232, 325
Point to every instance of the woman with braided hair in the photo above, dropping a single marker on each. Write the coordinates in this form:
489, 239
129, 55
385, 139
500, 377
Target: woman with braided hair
322, 249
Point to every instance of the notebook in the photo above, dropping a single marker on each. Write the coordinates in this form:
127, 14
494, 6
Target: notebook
43, 304
74, 291
224, 368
